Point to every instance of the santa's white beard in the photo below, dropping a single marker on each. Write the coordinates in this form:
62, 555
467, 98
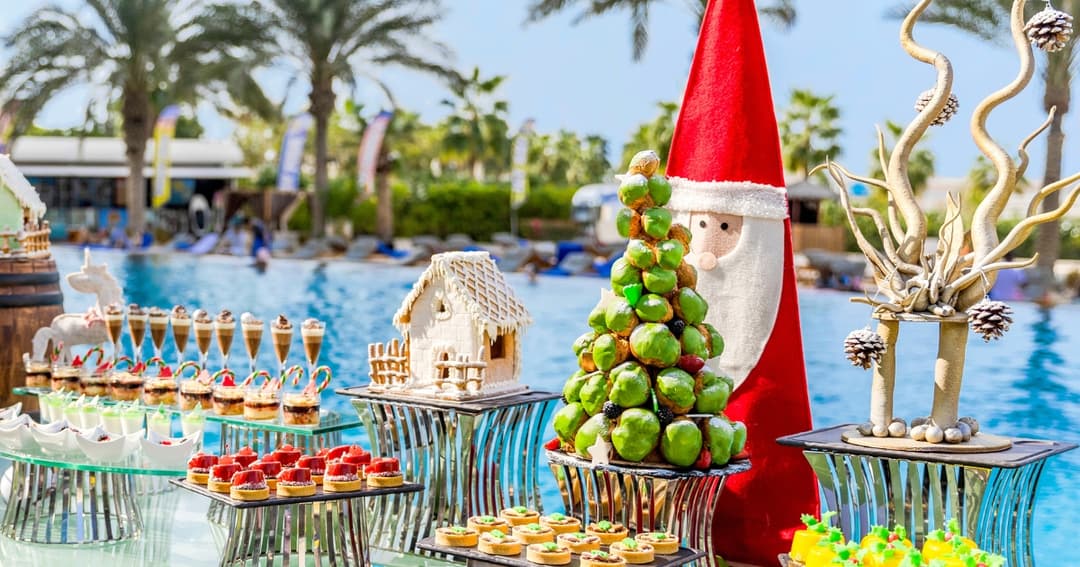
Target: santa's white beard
743, 292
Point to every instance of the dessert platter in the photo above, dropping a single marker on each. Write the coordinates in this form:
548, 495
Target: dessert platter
519, 537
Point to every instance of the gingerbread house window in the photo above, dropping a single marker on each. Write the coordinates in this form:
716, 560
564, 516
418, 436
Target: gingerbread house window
501, 346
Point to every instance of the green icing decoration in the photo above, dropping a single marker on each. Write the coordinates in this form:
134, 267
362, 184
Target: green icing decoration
599, 553
458, 530
629, 543
520, 509
556, 517
632, 293
581, 535
604, 526
497, 534
549, 546
658, 536
534, 527
487, 519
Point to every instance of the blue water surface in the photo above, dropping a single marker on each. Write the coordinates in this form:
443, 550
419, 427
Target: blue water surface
1027, 384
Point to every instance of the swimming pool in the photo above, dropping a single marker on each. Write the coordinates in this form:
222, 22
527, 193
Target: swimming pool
1027, 385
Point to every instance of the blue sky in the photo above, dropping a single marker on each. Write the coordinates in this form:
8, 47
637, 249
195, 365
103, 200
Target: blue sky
582, 77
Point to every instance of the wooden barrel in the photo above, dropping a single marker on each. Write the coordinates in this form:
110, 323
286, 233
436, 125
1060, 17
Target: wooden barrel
30, 298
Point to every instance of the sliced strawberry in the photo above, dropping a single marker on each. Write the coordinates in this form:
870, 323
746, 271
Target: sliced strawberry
166, 442
248, 477
295, 474
228, 381
165, 372
691, 363
77, 361
316, 464
704, 459
340, 469
224, 472
553, 445
271, 469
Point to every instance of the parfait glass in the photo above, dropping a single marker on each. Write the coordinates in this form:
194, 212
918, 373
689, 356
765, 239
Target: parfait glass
225, 326
204, 335
252, 329
281, 331
312, 332
114, 324
137, 328
181, 329
159, 326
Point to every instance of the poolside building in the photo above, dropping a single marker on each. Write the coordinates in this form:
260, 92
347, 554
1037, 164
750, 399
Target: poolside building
82, 181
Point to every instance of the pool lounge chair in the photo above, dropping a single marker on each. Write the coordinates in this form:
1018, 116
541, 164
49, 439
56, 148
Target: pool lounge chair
362, 247
573, 264
312, 249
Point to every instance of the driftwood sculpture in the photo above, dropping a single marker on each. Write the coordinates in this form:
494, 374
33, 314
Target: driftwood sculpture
947, 285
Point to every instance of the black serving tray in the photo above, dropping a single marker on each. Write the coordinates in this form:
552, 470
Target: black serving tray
682, 557
275, 500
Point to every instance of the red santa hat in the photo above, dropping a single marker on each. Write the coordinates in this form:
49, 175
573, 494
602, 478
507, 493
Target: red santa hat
725, 158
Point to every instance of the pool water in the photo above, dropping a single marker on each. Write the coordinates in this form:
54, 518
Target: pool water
1027, 384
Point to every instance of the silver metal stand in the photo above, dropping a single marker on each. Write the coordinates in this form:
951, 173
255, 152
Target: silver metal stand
472, 457
324, 533
235, 435
992, 495
645, 499
63, 506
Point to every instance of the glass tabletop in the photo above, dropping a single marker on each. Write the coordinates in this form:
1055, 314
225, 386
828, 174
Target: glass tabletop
329, 421
136, 463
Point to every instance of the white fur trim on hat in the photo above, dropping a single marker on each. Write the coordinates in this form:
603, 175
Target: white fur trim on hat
741, 198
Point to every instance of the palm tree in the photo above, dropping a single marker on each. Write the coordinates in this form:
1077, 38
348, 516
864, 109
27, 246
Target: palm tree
567, 160
146, 54
808, 131
655, 134
781, 12
989, 20
476, 130
333, 42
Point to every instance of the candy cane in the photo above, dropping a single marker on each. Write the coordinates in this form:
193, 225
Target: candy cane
123, 359
251, 378
296, 371
57, 347
230, 377
188, 364
326, 381
163, 367
104, 367
92, 350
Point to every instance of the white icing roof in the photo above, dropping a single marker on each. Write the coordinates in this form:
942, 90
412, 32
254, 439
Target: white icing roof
475, 279
13, 179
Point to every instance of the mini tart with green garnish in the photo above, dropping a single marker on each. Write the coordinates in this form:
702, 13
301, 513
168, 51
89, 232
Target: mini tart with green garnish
484, 524
457, 536
561, 523
601, 559
519, 515
633, 551
661, 542
547, 554
579, 542
496, 542
608, 532
534, 533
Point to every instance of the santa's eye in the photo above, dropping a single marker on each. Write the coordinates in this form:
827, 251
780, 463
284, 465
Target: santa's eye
723, 226
701, 224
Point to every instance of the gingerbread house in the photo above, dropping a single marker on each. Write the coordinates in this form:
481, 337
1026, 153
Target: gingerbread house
22, 231
462, 326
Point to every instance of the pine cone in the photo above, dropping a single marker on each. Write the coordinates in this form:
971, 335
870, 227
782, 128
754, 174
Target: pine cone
990, 319
1050, 29
864, 347
951, 106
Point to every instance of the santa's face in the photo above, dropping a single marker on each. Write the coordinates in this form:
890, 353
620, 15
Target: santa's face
740, 262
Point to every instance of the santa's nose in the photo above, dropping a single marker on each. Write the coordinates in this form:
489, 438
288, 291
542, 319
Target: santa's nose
704, 261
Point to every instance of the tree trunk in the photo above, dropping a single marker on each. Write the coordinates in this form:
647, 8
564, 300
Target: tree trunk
384, 197
881, 390
1048, 237
322, 105
949, 373
137, 125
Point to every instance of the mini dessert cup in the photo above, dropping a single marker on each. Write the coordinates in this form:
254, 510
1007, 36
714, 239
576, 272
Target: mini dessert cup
193, 421
312, 332
159, 328
131, 419
261, 404
252, 329
160, 391
228, 400
73, 412
111, 420
301, 408
65, 377
126, 387
181, 330
160, 422
281, 332
137, 319
196, 394
38, 372
225, 326
94, 381
89, 415
52, 406
204, 334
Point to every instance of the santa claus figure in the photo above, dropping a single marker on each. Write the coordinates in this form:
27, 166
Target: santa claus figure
728, 180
